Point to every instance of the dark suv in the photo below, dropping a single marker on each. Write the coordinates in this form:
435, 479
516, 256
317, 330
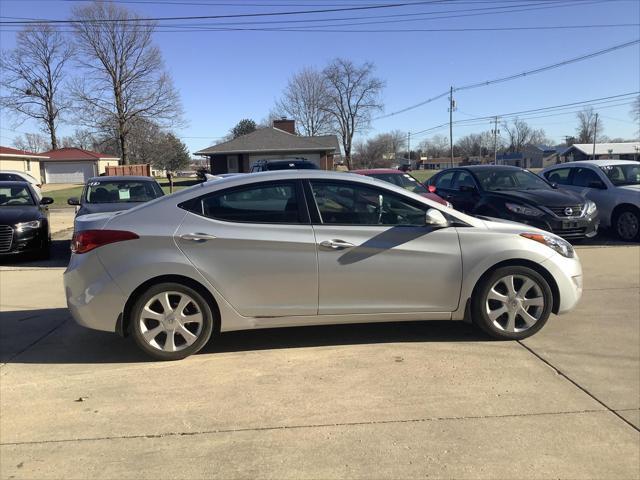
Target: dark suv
515, 194
284, 164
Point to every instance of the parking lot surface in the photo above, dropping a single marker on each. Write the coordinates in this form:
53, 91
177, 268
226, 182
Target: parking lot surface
422, 399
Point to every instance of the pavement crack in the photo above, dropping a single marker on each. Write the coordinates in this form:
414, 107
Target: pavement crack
299, 427
576, 384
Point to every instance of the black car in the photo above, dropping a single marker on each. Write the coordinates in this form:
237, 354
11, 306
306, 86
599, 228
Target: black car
24, 220
284, 164
518, 195
115, 193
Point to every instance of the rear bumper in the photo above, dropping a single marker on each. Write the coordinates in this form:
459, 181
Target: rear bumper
93, 298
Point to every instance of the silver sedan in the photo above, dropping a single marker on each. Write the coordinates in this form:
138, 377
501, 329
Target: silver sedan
295, 248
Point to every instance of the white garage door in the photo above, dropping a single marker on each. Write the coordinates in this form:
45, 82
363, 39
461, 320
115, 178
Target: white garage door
68, 172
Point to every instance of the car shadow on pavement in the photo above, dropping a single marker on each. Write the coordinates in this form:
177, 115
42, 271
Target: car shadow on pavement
59, 258
50, 336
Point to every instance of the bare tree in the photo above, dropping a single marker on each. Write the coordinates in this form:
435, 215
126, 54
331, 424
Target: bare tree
475, 144
33, 75
395, 142
306, 100
124, 79
370, 153
436, 146
587, 126
353, 93
32, 142
81, 138
520, 134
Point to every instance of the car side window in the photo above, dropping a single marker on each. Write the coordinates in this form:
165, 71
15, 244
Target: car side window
444, 180
559, 176
263, 203
463, 179
585, 177
352, 204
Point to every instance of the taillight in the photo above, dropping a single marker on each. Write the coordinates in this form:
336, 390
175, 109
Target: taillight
432, 188
87, 240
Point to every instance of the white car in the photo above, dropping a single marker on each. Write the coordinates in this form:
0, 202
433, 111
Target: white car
307, 247
18, 176
614, 186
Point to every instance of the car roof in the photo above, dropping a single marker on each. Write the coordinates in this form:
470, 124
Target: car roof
595, 163
13, 183
477, 168
122, 178
378, 170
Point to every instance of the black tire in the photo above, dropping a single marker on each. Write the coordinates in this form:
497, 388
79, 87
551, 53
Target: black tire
479, 304
202, 305
625, 220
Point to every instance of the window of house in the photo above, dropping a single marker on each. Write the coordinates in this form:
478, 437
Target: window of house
263, 203
352, 204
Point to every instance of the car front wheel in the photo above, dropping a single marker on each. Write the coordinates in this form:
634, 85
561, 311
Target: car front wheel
627, 225
171, 321
512, 303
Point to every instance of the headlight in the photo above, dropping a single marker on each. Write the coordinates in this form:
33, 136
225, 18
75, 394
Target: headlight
21, 227
561, 246
591, 208
523, 209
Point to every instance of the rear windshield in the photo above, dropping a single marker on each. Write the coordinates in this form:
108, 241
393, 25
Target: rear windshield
16, 196
110, 191
621, 175
403, 180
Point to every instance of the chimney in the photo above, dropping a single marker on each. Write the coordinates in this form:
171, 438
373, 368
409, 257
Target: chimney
286, 125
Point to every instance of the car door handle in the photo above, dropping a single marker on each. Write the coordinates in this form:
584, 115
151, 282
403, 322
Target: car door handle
197, 237
336, 244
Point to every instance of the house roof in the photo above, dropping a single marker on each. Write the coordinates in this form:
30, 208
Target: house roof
510, 156
271, 139
76, 154
14, 152
625, 148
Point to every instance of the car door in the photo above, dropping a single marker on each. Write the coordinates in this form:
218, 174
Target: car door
255, 245
590, 184
464, 194
376, 255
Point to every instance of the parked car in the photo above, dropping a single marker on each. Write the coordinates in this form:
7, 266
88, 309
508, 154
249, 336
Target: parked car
294, 248
116, 193
404, 180
515, 194
24, 220
614, 186
283, 164
18, 176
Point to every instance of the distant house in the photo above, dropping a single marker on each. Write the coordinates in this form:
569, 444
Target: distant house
21, 161
74, 165
538, 156
515, 159
278, 141
603, 151
438, 163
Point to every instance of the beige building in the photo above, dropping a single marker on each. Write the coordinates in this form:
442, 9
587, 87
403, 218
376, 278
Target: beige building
21, 161
74, 165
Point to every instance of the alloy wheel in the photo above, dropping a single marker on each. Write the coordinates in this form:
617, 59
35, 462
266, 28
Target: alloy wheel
627, 225
515, 303
171, 321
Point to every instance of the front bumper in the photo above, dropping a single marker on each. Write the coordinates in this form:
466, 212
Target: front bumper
25, 242
567, 273
569, 228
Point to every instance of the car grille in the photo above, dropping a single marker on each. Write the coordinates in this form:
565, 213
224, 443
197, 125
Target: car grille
6, 238
576, 211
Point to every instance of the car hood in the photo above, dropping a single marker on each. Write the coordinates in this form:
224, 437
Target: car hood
434, 197
88, 208
507, 226
548, 198
13, 215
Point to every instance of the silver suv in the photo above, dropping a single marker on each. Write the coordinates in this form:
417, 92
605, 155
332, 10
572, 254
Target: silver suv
614, 186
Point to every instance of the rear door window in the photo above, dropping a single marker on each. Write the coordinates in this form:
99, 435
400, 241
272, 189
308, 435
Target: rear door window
559, 176
585, 177
444, 181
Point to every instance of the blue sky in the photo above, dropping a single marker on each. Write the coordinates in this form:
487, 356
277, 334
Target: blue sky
223, 76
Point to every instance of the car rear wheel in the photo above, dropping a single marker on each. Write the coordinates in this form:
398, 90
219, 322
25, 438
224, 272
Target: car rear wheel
171, 321
512, 303
627, 224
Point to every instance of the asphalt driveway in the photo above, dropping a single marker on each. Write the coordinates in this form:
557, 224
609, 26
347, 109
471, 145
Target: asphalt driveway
432, 399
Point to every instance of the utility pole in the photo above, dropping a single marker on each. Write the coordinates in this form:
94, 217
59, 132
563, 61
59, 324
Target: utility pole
409, 146
595, 134
452, 104
495, 132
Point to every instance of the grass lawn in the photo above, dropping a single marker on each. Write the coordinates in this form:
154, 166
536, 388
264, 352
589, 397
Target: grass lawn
423, 175
60, 196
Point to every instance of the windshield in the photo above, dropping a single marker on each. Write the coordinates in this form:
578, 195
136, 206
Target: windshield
404, 180
495, 180
620, 175
110, 191
16, 196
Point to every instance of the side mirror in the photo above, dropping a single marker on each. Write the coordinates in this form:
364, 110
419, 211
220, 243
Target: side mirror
73, 201
468, 188
431, 188
46, 201
597, 184
435, 218
554, 185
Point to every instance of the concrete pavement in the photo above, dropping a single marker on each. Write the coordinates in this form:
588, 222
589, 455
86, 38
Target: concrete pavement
432, 399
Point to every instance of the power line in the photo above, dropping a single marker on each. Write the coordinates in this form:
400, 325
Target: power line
515, 76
